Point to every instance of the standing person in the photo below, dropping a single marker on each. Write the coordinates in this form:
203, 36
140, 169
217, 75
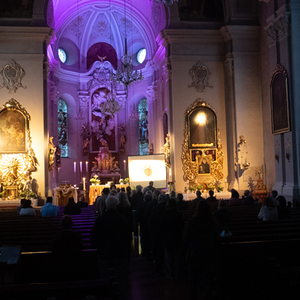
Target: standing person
27, 209
248, 199
100, 201
150, 187
111, 235
181, 204
67, 249
137, 200
212, 201
201, 241
49, 210
172, 230
156, 237
198, 199
72, 208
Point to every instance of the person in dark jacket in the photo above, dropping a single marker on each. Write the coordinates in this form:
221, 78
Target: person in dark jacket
111, 236
172, 231
67, 250
201, 241
155, 229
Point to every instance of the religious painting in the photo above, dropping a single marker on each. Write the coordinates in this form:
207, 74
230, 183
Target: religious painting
202, 126
13, 129
203, 166
196, 153
279, 101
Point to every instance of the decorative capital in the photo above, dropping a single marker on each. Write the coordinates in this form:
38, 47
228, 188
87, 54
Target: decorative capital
12, 74
229, 66
53, 92
152, 93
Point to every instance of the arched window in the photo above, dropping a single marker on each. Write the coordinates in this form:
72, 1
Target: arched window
62, 117
143, 127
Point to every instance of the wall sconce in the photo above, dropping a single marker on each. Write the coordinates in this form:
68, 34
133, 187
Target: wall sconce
287, 150
242, 146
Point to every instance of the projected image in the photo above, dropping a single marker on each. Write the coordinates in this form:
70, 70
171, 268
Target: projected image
144, 169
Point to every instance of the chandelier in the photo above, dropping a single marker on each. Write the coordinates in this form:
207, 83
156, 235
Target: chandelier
167, 2
126, 74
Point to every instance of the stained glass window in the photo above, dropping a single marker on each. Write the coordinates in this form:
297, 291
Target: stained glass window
143, 127
62, 117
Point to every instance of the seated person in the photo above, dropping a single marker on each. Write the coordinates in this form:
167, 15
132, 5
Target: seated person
248, 199
82, 203
20, 206
273, 196
268, 212
222, 215
283, 210
27, 209
212, 201
235, 198
49, 210
72, 208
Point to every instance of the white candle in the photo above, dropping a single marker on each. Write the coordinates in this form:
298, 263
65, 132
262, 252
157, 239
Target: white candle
74, 166
124, 164
83, 181
80, 165
86, 166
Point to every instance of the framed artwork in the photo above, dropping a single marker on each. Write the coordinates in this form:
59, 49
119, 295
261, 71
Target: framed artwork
204, 165
280, 101
13, 131
202, 126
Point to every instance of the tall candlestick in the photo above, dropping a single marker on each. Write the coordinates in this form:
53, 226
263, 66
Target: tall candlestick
86, 166
83, 181
124, 164
74, 166
80, 166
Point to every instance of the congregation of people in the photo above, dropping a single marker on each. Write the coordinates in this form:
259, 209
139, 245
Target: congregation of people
177, 247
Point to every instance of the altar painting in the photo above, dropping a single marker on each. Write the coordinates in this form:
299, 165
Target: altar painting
12, 132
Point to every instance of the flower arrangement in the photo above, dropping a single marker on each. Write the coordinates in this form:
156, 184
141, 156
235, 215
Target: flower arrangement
210, 187
94, 180
199, 187
1, 194
121, 181
220, 188
192, 188
126, 180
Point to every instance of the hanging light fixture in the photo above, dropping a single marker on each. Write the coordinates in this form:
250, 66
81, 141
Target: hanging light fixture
167, 2
126, 74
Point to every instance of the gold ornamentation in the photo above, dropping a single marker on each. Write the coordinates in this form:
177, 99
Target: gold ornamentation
51, 149
16, 168
167, 151
191, 166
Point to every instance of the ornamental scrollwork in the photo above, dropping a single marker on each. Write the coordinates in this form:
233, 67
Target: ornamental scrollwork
200, 75
12, 74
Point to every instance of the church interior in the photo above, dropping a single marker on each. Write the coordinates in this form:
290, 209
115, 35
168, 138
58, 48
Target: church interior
191, 94
87, 84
